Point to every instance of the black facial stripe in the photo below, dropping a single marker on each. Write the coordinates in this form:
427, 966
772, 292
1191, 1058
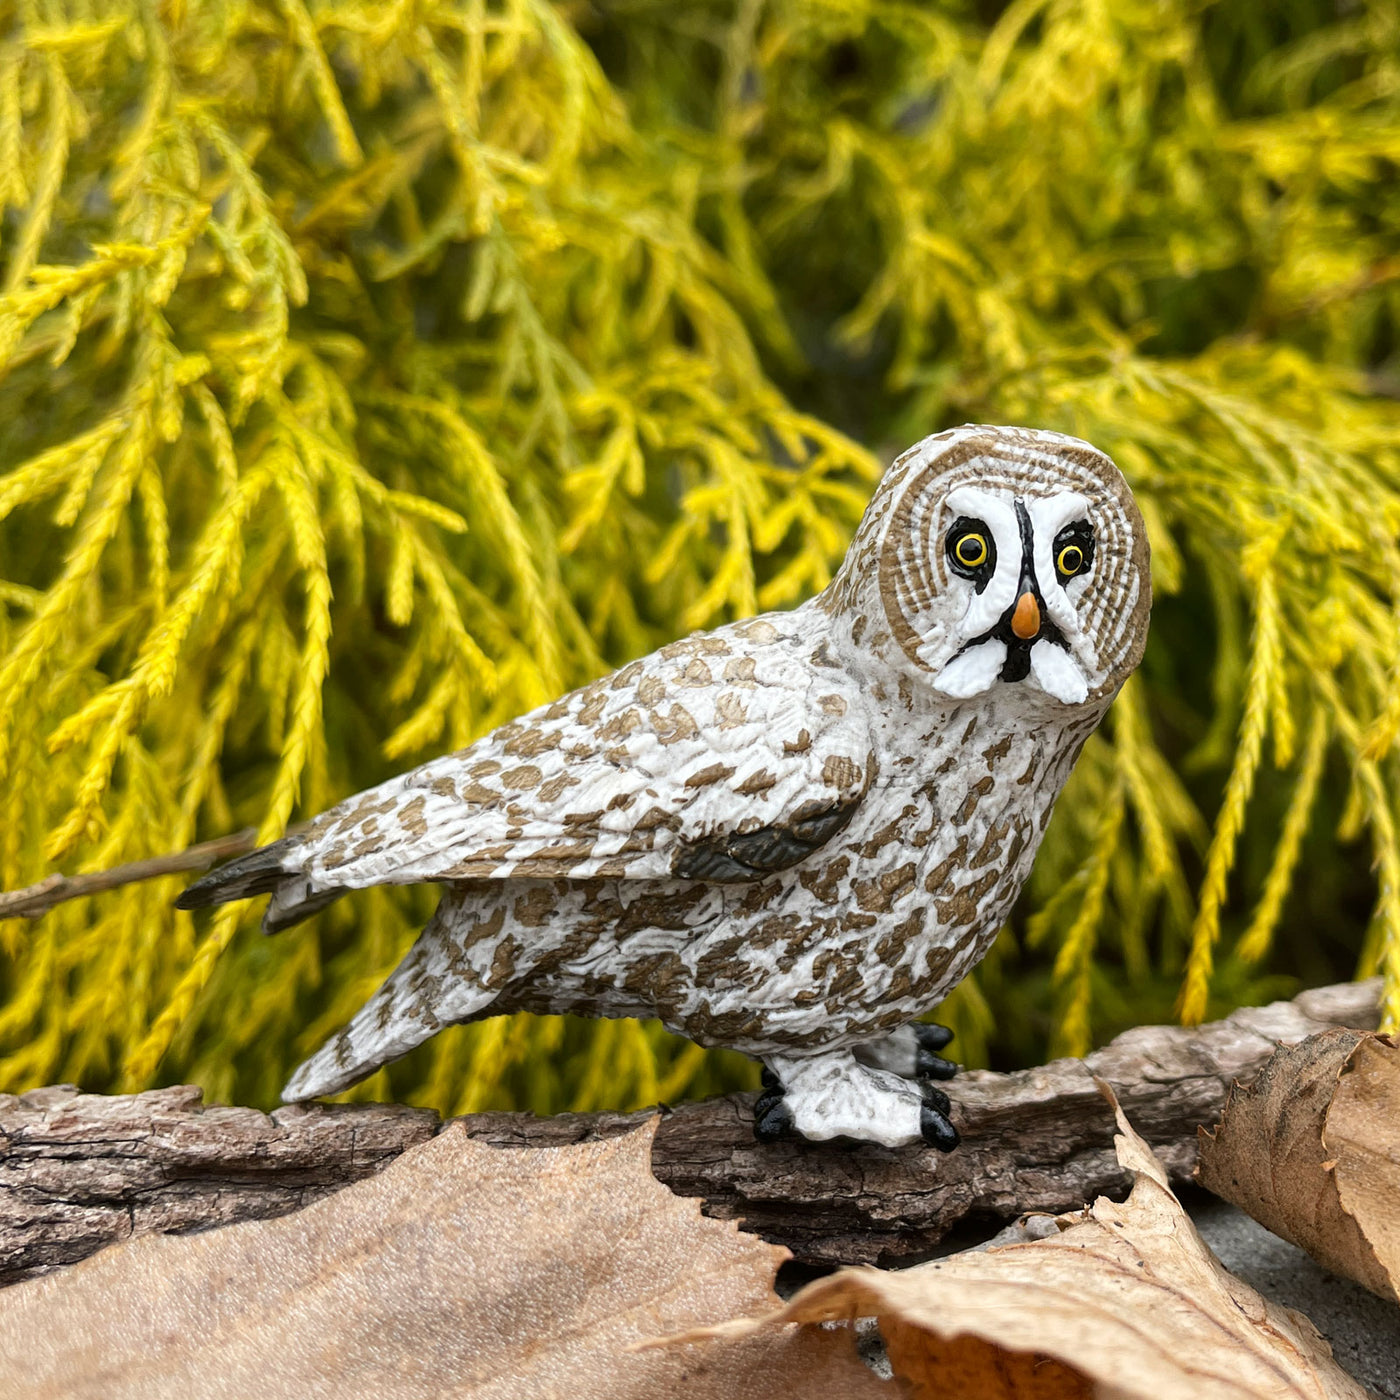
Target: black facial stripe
1017, 665
1027, 582
1001, 631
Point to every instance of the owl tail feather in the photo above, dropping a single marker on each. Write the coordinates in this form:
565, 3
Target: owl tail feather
274, 870
339, 1063
412, 1006
365, 1045
259, 872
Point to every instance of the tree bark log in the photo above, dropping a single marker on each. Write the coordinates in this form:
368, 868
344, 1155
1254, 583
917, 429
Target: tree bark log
80, 1171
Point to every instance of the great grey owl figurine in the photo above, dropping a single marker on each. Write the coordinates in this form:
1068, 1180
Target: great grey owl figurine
792, 835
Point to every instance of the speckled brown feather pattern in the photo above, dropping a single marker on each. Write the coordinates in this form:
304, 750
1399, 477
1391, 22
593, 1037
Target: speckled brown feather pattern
868, 831
613, 780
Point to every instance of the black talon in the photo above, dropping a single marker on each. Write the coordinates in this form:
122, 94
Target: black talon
931, 1037
937, 1099
772, 1119
764, 1103
937, 1130
927, 1065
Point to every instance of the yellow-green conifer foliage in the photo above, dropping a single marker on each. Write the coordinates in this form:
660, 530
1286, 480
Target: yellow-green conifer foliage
372, 372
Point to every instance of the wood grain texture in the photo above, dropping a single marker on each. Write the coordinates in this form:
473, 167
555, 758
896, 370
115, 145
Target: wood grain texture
79, 1171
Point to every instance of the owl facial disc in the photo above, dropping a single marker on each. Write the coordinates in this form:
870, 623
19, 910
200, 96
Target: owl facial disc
1023, 562
1006, 563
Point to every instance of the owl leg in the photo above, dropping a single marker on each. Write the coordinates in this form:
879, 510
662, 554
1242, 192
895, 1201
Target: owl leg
910, 1052
820, 1097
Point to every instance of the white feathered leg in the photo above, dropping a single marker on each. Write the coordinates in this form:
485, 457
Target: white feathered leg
833, 1095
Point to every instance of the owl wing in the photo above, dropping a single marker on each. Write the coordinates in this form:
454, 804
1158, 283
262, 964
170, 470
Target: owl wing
722, 757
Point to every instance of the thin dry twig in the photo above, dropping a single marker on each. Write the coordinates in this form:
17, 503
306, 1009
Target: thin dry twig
34, 901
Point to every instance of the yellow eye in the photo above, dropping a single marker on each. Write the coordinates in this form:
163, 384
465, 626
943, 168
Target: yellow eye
971, 550
1071, 560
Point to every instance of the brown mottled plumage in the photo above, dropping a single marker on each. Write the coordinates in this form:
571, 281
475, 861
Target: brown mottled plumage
792, 835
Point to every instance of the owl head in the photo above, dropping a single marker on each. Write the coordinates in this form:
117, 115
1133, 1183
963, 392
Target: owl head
1002, 557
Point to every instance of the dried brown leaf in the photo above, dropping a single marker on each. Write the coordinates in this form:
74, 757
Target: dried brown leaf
461, 1270
1362, 1135
1311, 1149
1126, 1301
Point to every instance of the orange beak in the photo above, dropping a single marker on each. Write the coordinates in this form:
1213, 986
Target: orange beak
1025, 621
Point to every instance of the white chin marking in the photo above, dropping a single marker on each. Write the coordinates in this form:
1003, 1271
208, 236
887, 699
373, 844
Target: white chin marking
974, 671
1055, 672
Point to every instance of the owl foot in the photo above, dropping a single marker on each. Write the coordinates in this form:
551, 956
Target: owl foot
772, 1119
927, 1064
910, 1052
821, 1097
935, 1125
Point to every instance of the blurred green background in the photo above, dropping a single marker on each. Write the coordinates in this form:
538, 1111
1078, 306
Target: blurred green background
373, 372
